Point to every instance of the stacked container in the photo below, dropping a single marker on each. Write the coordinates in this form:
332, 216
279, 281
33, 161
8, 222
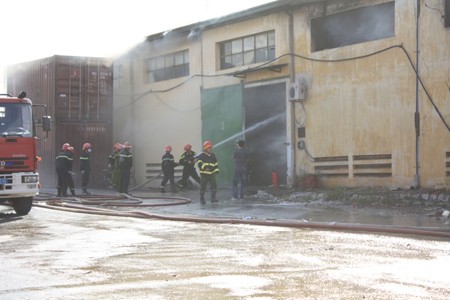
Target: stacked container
78, 94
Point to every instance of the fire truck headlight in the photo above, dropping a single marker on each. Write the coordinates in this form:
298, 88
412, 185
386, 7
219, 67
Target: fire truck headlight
30, 179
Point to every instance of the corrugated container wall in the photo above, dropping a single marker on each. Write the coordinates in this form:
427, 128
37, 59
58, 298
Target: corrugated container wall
78, 94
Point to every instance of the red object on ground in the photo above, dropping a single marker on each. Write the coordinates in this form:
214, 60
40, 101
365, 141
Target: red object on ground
275, 180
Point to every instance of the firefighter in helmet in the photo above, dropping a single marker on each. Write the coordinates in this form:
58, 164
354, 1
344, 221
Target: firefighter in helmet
85, 167
187, 160
209, 168
125, 164
168, 168
113, 166
70, 181
63, 166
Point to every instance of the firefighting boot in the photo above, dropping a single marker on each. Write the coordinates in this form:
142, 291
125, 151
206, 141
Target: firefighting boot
213, 197
72, 191
202, 198
173, 189
59, 191
85, 192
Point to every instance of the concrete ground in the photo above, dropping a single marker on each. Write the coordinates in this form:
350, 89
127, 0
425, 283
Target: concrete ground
420, 208
284, 244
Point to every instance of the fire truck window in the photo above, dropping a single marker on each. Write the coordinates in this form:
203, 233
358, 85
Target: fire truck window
14, 120
14, 117
2, 116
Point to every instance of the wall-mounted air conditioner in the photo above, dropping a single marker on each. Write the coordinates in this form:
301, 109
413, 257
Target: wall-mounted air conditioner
297, 89
293, 92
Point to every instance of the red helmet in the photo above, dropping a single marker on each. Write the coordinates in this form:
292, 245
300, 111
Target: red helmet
187, 147
86, 146
66, 146
168, 148
207, 144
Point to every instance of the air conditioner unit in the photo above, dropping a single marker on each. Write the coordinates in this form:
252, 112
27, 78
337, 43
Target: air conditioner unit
297, 89
293, 92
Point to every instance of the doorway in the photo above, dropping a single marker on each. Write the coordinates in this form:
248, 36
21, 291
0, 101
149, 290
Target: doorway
265, 127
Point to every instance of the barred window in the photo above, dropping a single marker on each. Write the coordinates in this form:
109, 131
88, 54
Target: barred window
247, 50
168, 66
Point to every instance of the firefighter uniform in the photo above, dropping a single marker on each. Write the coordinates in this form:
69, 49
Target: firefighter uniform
85, 167
113, 166
187, 160
125, 164
70, 182
209, 168
63, 166
168, 167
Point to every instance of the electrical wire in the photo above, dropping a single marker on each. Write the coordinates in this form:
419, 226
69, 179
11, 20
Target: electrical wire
425, 89
308, 154
430, 98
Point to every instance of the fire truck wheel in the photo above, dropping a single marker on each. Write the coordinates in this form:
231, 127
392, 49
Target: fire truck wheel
22, 206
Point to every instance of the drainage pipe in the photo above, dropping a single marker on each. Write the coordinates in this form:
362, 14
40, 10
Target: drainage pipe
292, 151
417, 112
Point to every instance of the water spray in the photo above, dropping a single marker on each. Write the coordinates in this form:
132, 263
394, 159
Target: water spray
251, 128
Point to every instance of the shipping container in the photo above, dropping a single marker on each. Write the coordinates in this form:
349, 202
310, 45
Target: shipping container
78, 94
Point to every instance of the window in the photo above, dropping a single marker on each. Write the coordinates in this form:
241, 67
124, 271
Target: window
447, 13
15, 120
354, 26
168, 66
247, 50
118, 71
117, 75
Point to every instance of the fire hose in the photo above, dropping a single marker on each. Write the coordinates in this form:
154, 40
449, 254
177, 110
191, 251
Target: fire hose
82, 205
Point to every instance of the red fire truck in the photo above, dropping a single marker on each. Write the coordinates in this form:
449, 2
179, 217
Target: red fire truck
19, 179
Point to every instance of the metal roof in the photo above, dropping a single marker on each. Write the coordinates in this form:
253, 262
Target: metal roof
254, 12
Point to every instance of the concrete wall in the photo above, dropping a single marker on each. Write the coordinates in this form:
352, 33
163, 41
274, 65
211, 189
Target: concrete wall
366, 106
152, 115
358, 116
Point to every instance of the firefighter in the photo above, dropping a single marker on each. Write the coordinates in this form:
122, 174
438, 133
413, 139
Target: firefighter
168, 168
70, 182
113, 166
63, 166
112, 157
125, 164
241, 157
85, 167
187, 160
209, 168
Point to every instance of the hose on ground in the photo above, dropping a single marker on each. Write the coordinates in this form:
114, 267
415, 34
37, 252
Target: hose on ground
77, 206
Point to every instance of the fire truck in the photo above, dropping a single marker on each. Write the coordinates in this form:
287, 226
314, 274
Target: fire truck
19, 179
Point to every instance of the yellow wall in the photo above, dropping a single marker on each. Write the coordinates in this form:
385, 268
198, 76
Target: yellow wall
367, 106
363, 106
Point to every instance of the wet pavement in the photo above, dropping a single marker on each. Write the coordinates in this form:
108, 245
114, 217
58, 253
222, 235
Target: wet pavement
54, 254
310, 206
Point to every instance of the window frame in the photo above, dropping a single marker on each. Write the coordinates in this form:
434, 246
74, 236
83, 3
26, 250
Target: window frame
167, 66
246, 50
352, 27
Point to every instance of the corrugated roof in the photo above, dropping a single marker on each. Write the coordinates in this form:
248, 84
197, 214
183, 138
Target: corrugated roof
250, 13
